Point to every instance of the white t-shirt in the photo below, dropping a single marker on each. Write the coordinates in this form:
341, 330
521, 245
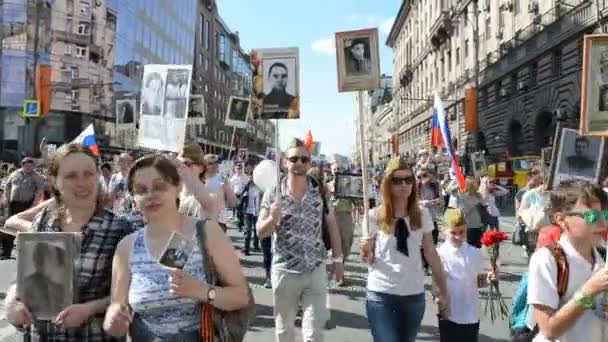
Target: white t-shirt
542, 289
462, 265
392, 271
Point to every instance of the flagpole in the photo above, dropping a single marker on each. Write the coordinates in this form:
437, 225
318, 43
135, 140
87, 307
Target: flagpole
363, 157
278, 162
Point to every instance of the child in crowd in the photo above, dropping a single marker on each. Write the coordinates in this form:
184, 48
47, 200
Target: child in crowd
572, 312
464, 269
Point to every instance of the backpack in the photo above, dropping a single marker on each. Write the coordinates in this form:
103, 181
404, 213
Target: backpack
520, 311
218, 325
324, 229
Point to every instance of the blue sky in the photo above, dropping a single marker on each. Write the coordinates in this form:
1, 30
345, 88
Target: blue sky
310, 25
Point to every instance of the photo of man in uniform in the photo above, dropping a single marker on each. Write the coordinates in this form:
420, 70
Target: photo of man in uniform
579, 156
45, 297
357, 57
278, 76
152, 94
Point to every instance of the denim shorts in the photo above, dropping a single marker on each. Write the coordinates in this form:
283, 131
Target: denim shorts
394, 318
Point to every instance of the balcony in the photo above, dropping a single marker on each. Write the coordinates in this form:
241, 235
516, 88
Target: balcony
72, 37
441, 29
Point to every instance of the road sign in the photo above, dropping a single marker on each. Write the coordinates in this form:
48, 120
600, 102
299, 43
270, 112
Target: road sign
31, 109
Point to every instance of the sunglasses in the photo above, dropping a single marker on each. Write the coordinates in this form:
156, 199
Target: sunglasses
401, 180
591, 216
303, 159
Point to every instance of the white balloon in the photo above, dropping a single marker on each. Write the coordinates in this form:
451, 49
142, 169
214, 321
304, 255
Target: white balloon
265, 175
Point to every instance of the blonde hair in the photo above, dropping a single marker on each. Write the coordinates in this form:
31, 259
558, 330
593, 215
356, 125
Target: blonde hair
386, 210
472, 187
453, 218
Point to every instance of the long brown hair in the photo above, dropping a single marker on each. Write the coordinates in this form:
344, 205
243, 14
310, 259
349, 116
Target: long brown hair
386, 211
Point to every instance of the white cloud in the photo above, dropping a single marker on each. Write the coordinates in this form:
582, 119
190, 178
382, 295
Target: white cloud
386, 25
324, 46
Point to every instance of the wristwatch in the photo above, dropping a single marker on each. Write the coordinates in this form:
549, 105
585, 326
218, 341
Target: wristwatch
211, 294
584, 301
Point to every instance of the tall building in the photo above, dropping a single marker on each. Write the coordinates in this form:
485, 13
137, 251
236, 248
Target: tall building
223, 70
522, 58
74, 41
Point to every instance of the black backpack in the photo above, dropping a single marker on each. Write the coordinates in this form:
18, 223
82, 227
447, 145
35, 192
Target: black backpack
324, 229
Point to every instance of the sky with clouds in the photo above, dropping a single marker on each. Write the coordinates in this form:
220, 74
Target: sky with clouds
310, 25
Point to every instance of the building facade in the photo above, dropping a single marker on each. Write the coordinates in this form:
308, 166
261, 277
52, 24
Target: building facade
223, 69
523, 58
75, 41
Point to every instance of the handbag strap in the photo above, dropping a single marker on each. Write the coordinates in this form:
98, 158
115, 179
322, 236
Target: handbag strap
207, 330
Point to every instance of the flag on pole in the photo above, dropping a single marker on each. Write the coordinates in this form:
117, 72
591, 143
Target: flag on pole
87, 139
441, 138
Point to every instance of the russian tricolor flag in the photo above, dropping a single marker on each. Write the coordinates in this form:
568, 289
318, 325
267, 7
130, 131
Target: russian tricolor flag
87, 139
441, 138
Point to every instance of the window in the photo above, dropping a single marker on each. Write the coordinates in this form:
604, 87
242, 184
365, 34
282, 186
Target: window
557, 63
533, 75
74, 71
67, 49
202, 29
497, 91
69, 25
466, 48
458, 56
501, 21
83, 28
85, 8
516, 7
488, 29
513, 84
81, 51
449, 61
74, 95
207, 36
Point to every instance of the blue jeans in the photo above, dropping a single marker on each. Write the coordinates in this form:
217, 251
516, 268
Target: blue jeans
394, 318
250, 221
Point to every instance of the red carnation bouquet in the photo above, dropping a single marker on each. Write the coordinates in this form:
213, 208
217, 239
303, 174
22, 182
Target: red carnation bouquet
494, 303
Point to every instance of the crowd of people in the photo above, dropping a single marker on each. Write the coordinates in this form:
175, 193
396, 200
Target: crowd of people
127, 212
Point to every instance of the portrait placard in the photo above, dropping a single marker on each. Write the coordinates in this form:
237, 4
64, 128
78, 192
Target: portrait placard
276, 84
358, 58
46, 272
480, 167
177, 251
238, 112
348, 186
164, 106
243, 154
594, 88
271, 153
578, 157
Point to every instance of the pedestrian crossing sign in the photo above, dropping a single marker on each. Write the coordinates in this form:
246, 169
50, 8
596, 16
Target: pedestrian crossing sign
31, 109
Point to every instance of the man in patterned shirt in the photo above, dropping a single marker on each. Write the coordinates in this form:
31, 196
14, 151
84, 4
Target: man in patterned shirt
298, 263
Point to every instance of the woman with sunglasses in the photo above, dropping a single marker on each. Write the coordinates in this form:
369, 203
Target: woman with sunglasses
155, 303
195, 200
471, 203
489, 190
578, 314
395, 287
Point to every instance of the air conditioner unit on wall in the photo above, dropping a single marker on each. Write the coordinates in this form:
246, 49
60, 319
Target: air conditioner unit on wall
499, 34
503, 92
521, 85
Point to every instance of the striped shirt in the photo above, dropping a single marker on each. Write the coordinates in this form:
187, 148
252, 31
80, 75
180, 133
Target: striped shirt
93, 272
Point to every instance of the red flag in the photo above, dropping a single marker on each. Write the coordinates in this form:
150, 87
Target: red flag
308, 140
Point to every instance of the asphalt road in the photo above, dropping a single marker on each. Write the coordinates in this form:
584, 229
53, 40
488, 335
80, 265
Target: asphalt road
348, 321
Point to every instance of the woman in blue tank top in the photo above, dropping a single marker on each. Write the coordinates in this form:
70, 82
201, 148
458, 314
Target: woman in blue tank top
150, 301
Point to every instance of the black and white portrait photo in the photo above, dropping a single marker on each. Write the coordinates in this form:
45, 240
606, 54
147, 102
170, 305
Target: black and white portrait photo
152, 94
46, 272
243, 154
594, 92
358, 60
165, 129
579, 157
177, 252
271, 153
357, 57
348, 186
176, 93
125, 112
281, 83
238, 108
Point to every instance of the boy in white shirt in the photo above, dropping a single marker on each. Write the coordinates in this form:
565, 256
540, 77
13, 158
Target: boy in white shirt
579, 208
463, 266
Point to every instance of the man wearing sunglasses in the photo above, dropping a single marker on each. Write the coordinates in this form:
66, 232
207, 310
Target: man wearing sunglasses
298, 264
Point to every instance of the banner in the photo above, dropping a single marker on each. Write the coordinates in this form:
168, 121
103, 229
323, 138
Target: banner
164, 106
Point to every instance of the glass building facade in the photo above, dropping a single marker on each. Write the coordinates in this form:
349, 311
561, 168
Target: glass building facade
151, 32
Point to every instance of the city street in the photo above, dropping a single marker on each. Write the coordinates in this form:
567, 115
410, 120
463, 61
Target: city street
348, 320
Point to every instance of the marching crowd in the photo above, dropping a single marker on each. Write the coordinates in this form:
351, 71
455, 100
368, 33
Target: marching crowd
128, 211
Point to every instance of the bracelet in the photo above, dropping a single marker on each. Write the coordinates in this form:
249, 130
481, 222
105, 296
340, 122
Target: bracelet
338, 259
